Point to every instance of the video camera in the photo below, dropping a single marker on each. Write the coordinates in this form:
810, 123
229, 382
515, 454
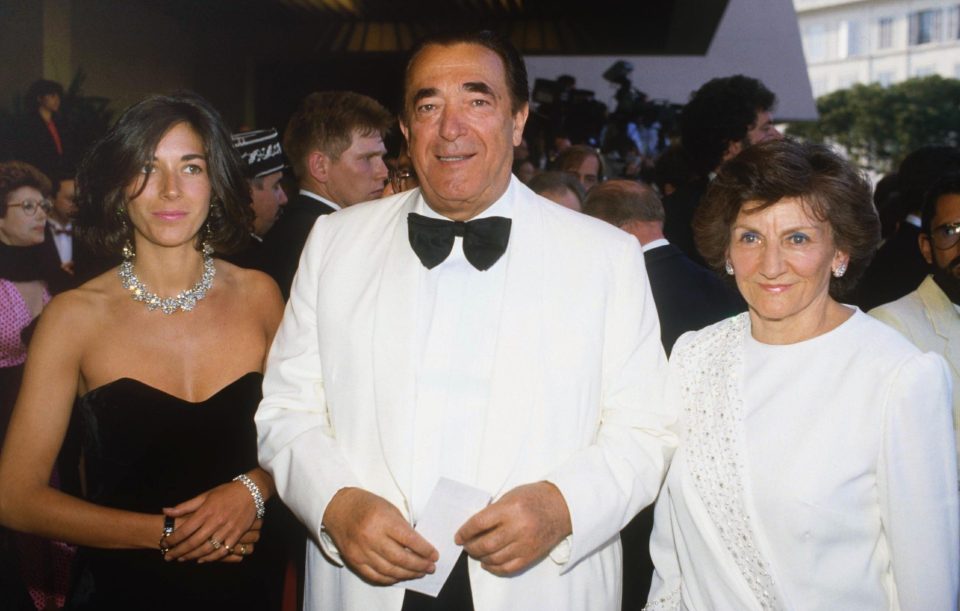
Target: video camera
559, 92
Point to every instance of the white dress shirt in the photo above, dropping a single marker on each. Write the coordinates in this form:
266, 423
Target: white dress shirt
458, 314
63, 241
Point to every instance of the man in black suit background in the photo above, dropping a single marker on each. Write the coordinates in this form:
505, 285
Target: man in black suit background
688, 297
334, 142
722, 118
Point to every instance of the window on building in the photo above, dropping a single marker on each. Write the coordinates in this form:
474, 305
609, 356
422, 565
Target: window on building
885, 33
953, 23
925, 26
848, 39
919, 71
815, 43
885, 78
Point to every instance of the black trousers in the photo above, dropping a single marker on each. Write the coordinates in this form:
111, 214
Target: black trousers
454, 596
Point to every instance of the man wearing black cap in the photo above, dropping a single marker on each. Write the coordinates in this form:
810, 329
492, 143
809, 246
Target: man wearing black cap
263, 161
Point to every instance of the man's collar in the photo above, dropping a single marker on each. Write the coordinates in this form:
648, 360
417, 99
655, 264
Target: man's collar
914, 220
654, 244
324, 200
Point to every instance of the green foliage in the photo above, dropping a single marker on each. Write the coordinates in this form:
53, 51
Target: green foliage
878, 126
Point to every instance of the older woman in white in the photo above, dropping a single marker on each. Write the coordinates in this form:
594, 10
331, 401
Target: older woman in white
817, 464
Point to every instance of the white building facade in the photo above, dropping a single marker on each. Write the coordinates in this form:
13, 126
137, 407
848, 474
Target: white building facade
878, 41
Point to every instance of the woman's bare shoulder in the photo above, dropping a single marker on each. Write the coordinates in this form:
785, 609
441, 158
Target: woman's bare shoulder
256, 288
85, 305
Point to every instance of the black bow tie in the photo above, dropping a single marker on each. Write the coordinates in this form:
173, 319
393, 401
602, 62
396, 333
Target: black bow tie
484, 240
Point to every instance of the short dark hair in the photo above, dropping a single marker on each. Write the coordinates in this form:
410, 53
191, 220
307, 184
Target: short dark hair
554, 180
718, 113
620, 201
514, 68
830, 187
570, 158
116, 160
947, 185
326, 121
16, 174
41, 88
919, 170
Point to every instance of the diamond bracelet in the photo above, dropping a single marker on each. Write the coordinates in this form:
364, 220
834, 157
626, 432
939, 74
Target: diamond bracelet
254, 492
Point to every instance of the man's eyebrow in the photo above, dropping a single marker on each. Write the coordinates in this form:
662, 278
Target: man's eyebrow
426, 92
479, 87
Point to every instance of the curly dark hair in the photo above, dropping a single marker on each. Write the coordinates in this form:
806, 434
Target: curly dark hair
16, 174
718, 113
114, 163
831, 188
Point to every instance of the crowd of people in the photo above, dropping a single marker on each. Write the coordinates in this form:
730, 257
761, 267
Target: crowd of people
325, 368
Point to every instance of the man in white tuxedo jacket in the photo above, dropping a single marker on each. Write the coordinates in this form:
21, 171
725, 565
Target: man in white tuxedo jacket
930, 316
518, 353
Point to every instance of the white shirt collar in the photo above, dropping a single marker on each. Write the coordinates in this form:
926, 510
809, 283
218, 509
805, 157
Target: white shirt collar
326, 201
654, 244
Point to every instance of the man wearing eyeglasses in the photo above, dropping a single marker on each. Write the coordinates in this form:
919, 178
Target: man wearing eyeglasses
930, 315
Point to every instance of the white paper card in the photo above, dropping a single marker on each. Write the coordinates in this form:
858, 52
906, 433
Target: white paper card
450, 505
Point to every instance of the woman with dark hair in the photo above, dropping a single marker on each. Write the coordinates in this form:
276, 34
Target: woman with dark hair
41, 139
816, 465
164, 358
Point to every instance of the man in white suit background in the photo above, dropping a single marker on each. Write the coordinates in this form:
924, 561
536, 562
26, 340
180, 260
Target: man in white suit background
474, 331
930, 316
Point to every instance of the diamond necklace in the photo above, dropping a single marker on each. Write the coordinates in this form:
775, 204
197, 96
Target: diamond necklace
185, 300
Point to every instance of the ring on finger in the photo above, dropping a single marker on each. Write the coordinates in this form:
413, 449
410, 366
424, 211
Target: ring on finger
216, 544
241, 549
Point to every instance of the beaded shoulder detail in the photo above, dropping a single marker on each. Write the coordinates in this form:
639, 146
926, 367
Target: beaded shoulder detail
710, 372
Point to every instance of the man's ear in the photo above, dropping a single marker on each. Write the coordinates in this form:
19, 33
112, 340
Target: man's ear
318, 165
519, 120
926, 248
733, 149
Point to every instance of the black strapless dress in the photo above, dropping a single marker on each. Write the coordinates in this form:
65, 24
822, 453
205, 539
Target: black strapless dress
143, 450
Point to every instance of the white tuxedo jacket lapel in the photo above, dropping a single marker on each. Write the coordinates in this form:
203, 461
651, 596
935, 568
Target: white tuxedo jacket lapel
393, 352
519, 345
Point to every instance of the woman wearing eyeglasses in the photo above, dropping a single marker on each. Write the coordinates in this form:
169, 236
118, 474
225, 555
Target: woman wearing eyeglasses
23, 291
28, 575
